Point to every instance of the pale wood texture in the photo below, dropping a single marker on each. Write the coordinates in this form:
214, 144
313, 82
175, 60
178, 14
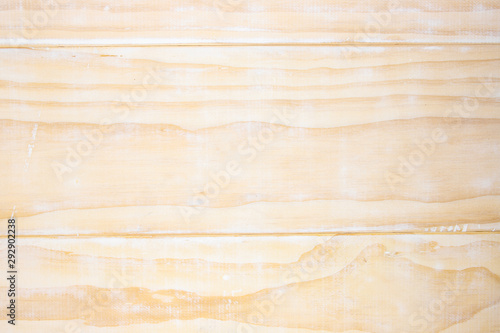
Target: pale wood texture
143, 22
269, 166
345, 139
393, 283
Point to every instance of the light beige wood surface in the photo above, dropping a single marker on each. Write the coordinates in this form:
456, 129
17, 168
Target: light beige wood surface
304, 180
392, 283
251, 166
142, 22
199, 87
319, 139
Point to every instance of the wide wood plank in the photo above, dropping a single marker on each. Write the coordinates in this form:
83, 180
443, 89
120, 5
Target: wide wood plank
250, 139
215, 180
393, 283
140, 22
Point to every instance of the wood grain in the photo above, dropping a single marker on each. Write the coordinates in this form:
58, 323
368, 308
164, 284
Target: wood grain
160, 165
405, 283
251, 166
376, 139
141, 22
199, 87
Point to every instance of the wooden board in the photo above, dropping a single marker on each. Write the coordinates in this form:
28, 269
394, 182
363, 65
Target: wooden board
392, 283
250, 139
142, 22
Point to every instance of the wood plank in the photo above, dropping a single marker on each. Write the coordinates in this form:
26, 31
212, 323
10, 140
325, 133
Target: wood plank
199, 87
214, 181
324, 138
140, 22
392, 283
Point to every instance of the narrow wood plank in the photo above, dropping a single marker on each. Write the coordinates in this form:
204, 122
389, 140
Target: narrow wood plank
405, 283
250, 139
199, 87
140, 22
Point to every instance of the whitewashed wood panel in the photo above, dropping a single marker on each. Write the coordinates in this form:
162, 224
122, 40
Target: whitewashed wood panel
392, 283
141, 22
250, 139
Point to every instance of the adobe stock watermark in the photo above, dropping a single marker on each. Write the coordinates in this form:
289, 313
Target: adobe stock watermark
422, 320
37, 20
90, 307
76, 153
372, 27
265, 308
248, 151
226, 6
409, 164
